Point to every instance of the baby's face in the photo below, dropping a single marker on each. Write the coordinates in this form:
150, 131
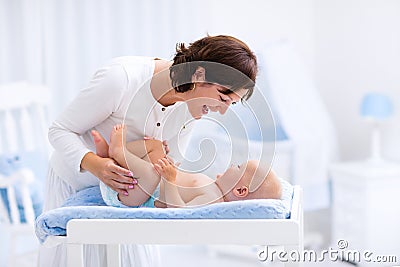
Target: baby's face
237, 173
233, 172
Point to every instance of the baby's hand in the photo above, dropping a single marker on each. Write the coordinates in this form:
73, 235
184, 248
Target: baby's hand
166, 169
166, 147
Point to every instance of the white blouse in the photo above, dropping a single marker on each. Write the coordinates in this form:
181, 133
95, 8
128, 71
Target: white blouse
118, 93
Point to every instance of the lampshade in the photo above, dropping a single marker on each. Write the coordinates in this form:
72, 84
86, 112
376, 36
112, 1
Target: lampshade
376, 106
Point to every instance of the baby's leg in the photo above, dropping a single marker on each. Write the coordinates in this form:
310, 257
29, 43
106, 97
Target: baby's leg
100, 143
155, 150
117, 148
147, 177
149, 150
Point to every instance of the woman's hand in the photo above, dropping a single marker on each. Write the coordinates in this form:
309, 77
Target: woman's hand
166, 169
109, 172
116, 177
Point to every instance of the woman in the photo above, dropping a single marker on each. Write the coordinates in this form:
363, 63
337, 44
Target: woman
145, 94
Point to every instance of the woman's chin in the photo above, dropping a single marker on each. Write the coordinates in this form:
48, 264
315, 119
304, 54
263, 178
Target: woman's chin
196, 116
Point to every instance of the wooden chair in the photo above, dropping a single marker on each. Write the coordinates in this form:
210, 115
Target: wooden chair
23, 127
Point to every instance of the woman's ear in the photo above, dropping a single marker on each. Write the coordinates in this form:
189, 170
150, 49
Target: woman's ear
241, 192
199, 75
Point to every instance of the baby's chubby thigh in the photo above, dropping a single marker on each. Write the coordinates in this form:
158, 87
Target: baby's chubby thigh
150, 150
135, 197
155, 150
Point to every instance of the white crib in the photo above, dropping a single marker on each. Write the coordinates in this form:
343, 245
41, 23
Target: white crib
23, 127
114, 232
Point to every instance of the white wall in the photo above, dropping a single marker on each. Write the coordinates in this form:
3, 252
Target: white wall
358, 50
259, 22
351, 46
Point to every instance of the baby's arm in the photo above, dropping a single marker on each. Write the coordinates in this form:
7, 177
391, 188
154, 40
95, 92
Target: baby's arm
167, 170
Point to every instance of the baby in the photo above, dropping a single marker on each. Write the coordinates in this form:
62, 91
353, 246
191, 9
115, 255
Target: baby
178, 188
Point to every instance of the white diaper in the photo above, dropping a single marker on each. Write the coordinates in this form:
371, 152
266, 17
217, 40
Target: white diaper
110, 197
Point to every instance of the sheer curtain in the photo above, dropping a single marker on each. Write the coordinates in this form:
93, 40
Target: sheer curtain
21, 53
61, 43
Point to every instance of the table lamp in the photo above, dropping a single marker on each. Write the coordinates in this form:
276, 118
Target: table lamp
376, 107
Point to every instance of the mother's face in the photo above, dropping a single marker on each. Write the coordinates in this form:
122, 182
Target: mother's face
207, 97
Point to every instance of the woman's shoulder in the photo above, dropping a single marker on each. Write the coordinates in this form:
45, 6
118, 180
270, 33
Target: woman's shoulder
135, 67
120, 66
133, 62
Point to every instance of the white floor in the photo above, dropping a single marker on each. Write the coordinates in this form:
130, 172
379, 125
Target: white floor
199, 256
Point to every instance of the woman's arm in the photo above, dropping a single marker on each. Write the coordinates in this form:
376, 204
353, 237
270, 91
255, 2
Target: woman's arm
107, 87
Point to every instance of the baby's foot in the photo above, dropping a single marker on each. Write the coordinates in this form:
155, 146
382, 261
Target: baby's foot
100, 143
116, 141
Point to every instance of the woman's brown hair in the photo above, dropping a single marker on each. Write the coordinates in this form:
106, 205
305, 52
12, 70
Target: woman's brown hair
235, 68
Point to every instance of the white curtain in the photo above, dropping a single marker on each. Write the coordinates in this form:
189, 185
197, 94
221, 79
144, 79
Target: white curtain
21, 52
60, 43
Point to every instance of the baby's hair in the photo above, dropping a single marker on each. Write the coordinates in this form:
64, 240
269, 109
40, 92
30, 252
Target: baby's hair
269, 188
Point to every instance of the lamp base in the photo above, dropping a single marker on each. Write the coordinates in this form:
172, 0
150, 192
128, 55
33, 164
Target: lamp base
376, 157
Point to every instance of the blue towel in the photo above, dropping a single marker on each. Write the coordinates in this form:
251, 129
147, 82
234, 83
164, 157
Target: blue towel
88, 204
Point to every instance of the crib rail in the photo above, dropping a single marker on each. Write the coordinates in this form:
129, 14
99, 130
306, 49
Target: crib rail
22, 179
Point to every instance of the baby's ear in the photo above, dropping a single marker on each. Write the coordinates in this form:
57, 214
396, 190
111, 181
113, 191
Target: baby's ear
241, 191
